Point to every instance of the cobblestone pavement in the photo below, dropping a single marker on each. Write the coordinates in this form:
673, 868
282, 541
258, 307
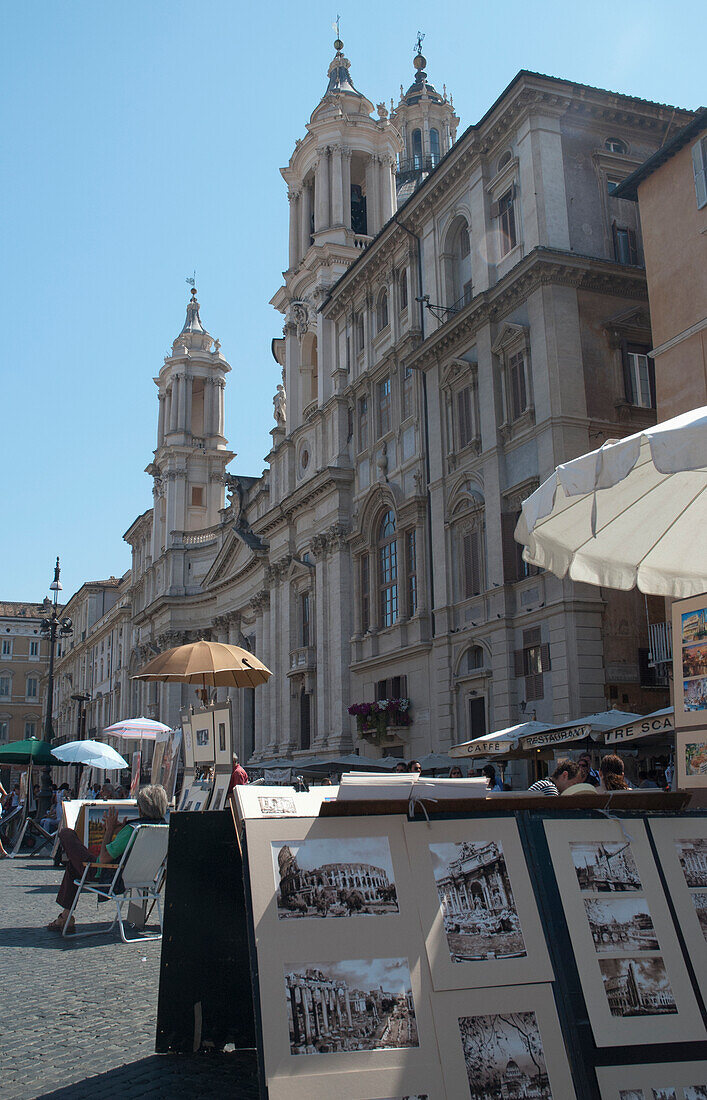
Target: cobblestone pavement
78, 1017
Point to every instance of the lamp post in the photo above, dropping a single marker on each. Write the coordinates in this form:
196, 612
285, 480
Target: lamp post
51, 628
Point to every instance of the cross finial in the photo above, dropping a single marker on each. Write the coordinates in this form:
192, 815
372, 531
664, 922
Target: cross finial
418, 43
338, 44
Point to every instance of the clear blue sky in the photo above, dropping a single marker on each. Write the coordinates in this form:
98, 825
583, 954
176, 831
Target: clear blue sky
143, 140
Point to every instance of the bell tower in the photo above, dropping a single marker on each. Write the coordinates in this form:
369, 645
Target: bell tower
428, 126
192, 452
341, 190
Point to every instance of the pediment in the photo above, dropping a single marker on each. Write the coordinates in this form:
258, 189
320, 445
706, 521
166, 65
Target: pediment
229, 561
457, 369
630, 322
509, 333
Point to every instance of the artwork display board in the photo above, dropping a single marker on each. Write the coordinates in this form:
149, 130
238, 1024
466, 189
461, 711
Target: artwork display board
188, 743
165, 761
656, 1081
633, 976
682, 850
690, 661
479, 917
691, 757
344, 984
208, 757
262, 801
195, 795
89, 823
503, 1042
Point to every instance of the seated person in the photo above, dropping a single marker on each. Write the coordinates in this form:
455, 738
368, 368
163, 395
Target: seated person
612, 774
567, 777
52, 821
152, 806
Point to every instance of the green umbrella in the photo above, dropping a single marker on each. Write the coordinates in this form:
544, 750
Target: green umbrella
30, 751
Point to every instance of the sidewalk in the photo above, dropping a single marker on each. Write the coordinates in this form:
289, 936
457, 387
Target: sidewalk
78, 1017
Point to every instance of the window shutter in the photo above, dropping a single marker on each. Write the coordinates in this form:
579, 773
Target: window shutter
509, 547
534, 688
632, 246
699, 167
628, 376
615, 239
472, 572
545, 657
518, 662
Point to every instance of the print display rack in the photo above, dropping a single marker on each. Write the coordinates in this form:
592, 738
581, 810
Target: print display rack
208, 757
519, 946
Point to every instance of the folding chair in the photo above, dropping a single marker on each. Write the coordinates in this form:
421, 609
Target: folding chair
142, 870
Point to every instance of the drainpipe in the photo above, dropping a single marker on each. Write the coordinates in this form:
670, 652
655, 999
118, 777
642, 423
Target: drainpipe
425, 417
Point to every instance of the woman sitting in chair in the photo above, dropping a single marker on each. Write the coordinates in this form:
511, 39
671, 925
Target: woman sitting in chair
152, 807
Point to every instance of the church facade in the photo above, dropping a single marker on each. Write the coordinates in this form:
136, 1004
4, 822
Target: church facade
459, 316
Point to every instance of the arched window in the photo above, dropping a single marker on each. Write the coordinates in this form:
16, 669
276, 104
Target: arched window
388, 569
616, 145
434, 146
457, 255
474, 658
417, 148
382, 310
404, 288
503, 160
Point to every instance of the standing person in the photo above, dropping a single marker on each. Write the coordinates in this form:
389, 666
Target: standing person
492, 782
612, 774
239, 775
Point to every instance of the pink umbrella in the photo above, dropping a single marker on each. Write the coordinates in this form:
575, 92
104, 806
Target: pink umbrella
137, 729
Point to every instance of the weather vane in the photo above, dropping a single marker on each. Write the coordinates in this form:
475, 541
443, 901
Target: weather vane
337, 27
420, 39
192, 281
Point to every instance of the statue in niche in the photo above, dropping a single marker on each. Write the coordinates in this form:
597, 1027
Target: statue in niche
236, 499
300, 314
280, 406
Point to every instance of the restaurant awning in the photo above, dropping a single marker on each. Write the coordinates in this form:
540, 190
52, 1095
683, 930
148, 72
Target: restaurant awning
657, 723
579, 730
502, 743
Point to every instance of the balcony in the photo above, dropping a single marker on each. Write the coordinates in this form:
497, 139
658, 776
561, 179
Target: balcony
661, 643
303, 659
411, 166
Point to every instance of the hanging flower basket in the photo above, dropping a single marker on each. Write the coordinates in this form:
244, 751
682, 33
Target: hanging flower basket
373, 719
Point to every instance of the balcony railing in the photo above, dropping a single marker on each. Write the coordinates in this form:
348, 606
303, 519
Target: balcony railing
661, 643
409, 166
303, 659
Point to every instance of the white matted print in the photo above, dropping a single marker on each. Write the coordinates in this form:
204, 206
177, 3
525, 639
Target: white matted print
341, 995
631, 968
656, 1081
691, 758
479, 918
682, 850
334, 878
366, 1084
502, 1042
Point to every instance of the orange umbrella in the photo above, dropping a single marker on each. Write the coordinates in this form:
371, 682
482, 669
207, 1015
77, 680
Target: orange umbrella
211, 664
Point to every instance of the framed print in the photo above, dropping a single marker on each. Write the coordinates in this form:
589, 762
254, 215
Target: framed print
656, 1081
682, 851
220, 789
502, 1042
691, 758
633, 975
223, 738
690, 661
202, 728
344, 982
188, 743
479, 918
94, 814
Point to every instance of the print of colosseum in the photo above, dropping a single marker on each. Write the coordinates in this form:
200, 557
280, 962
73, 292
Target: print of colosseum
480, 918
334, 878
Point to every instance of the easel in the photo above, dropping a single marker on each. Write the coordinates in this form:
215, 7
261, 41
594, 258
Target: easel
29, 822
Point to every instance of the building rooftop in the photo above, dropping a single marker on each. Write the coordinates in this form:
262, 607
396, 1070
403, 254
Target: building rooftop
21, 610
628, 189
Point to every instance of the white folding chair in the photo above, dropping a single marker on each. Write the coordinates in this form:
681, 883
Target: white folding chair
140, 874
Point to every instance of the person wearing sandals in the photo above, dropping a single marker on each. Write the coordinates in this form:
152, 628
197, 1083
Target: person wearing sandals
152, 806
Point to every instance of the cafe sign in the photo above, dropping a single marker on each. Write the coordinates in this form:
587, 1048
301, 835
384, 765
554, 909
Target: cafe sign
662, 723
556, 737
486, 748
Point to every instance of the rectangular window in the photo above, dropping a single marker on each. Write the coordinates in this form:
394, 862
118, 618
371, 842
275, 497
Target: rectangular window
365, 594
5, 687
32, 686
197, 496
360, 332
7, 647
362, 423
30, 729
404, 290
34, 649
388, 572
517, 393
304, 618
699, 168
4, 729
625, 249
394, 688
411, 568
464, 421
507, 222
407, 392
640, 379
611, 184
384, 406
531, 662
471, 563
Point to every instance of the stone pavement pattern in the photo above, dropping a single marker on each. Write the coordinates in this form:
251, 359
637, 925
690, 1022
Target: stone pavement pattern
78, 1017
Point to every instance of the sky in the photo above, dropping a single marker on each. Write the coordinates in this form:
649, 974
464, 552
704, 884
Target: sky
142, 141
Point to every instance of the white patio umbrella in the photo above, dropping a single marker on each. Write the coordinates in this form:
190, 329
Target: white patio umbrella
502, 743
137, 729
93, 753
630, 513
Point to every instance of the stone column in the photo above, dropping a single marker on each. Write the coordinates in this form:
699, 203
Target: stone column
346, 185
386, 187
372, 207
337, 187
339, 580
321, 194
179, 382
173, 403
187, 401
305, 220
295, 204
321, 715
162, 403
234, 694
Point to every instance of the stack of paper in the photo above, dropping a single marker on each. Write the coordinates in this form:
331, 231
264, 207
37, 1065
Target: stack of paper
377, 787
255, 800
450, 788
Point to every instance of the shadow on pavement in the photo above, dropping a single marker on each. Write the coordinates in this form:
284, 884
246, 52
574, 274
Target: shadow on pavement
41, 937
170, 1075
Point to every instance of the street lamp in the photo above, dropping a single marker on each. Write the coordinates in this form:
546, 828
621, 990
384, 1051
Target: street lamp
52, 628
